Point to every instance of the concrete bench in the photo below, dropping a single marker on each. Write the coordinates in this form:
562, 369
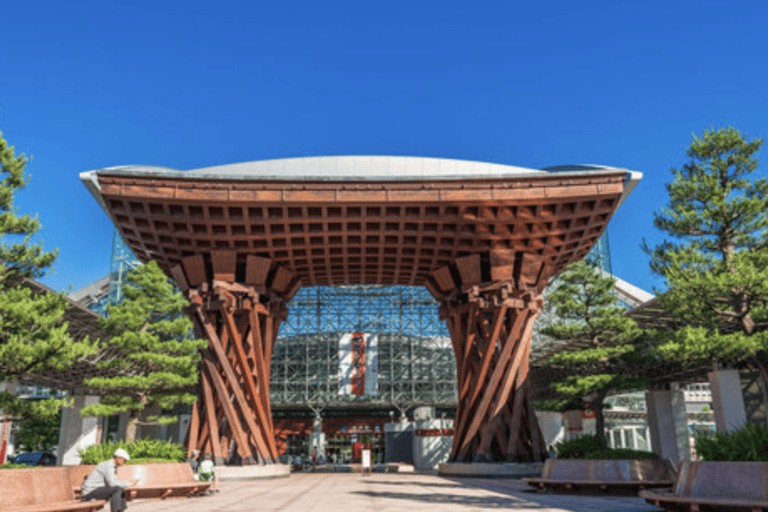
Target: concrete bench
40, 490
604, 475
715, 486
155, 480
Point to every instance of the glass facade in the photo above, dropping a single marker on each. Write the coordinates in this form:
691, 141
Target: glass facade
414, 356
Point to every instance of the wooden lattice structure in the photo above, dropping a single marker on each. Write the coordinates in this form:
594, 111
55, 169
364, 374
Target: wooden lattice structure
491, 323
483, 238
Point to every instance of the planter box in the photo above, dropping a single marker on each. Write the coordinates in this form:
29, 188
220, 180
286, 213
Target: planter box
719, 485
632, 474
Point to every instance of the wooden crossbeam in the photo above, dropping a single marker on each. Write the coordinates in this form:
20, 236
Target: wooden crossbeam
243, 446
250, 385
212, 425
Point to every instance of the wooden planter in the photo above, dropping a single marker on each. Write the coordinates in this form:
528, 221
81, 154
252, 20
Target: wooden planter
627, 474
716, 485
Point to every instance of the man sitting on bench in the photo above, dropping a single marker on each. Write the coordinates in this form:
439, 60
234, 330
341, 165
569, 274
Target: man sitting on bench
102, 482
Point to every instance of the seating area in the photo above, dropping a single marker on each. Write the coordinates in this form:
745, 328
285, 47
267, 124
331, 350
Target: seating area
41, 490
733, 486
604, 475
155, 480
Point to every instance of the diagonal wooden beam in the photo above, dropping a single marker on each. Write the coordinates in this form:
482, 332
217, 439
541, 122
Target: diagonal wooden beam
210, 415
194, 429
250, 385
243, 447
491, 388
229, 373
490, 350
261, 374
510, 369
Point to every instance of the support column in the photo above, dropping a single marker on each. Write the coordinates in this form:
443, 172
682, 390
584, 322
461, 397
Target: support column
317, 436
490, 302
76, 432
238, 306
727, 400
668, 424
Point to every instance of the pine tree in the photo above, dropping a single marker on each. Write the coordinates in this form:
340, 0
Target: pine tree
158, 370
33, 334
39, 434
715, 260
588, 314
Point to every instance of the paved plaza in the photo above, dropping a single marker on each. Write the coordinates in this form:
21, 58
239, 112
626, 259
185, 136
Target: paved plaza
395, 492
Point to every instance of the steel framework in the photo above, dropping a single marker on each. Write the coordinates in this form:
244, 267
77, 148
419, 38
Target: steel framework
415, 359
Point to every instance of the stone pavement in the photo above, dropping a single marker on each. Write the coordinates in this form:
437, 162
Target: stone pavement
390, 492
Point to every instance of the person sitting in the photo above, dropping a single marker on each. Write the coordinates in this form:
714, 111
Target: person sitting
194, 463
102, 482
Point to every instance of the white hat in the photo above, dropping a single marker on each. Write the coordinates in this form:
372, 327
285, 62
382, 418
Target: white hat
122, 453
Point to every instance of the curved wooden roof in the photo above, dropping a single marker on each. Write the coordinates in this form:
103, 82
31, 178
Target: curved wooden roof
360, 220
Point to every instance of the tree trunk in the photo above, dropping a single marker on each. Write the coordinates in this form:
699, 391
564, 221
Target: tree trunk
130, 428
600, 420
763, 375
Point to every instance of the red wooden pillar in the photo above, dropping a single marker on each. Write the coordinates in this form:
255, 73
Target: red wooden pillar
490, 302
240, 318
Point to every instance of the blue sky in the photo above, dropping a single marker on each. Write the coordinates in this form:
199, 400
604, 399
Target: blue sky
86, 85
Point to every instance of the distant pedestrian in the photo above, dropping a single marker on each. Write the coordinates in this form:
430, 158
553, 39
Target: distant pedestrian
207, 473
102, 482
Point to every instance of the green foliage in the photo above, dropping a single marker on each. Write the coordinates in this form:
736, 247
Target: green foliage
558, 404
607, 339
17, 466
577, 448
37, 410
159, 367
748, 444
622, 454
33, 333
151, 460
588, 447
139, 449
39, 435
579, 385
20, 257
715, 260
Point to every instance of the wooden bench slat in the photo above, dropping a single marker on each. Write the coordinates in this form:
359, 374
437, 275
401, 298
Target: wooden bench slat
669, 496
83, 506
41, 490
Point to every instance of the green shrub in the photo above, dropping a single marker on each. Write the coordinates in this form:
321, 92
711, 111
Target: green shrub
138, 449
587, 447
748, 444
577, 448
150, 460
10, 465
621, 453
